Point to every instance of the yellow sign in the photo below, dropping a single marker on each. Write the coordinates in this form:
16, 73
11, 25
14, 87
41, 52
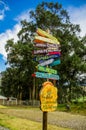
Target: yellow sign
40, 39
48, 97
46, 34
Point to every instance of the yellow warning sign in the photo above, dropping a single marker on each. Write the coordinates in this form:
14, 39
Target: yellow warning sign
48, 97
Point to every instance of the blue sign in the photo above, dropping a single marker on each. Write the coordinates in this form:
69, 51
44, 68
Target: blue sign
57, 62
46, 75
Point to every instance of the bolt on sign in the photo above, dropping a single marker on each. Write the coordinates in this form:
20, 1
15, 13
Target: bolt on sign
48, 97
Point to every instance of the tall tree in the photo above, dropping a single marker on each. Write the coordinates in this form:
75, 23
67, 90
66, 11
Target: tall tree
53, 17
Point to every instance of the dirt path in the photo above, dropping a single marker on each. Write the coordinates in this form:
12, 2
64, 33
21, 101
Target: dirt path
63, 119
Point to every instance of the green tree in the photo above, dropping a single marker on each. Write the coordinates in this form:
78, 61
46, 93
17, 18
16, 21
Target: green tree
53, 17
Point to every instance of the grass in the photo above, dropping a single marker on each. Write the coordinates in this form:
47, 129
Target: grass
14, 123
75, 108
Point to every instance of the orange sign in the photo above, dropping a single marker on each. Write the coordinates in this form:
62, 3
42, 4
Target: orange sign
48, 97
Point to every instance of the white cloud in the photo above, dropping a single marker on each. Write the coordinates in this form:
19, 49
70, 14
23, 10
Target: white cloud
12, 33
9, 34
3, 8
78, 16
24, 16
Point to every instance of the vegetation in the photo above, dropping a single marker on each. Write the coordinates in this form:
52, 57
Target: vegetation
15, 123
17, 80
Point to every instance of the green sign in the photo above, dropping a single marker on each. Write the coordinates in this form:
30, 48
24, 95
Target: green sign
46, 69
38, 58
46, 75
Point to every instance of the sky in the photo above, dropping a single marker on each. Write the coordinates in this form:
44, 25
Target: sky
13, 11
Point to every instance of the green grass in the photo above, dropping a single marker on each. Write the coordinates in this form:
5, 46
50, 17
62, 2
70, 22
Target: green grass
75, 108
15, 123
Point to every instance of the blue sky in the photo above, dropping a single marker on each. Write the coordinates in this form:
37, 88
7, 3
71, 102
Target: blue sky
13, 11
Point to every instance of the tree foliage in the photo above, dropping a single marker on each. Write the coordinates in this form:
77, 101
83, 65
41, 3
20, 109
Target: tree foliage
53, 17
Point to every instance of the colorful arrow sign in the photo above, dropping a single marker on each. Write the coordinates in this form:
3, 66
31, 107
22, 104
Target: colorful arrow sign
38, 58
57, 62
54, 53
46, 75
46, 45
47, 62
46, 69
45, 34
39, 39
40, 51
40, 45
50, 51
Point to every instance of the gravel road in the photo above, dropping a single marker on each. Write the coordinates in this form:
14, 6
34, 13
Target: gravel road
63, 119
2, 128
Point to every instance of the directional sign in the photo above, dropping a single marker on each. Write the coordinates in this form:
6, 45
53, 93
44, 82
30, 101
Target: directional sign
46, 45
40, 45
54, 53
38, 58
46, 51
47, 62
46, 69
45, 34
57, 62
46, 75
40, 51
39, 39
53, 45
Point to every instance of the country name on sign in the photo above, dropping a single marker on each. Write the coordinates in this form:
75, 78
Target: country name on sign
41, 45
57, 62
50, 51
47, 62
40, 51
46, 45
53, 45
43, 39
46, 75
46, 57
46, 69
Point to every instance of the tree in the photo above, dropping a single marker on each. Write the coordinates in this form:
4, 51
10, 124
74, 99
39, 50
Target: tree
53, 17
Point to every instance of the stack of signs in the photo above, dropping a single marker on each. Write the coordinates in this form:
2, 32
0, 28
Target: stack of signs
47, 53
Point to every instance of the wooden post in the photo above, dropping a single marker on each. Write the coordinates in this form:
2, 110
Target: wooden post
45, 117
44, 121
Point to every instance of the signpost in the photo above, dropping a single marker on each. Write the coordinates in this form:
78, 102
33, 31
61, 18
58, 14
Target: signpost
46, 57
40, 39
47, 62
47, 45
54, 53
46, 34
46, 75
57, 62
51, 47
46, 69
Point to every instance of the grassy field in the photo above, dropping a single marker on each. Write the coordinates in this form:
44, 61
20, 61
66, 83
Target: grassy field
14, 123
16, 117
75, 108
